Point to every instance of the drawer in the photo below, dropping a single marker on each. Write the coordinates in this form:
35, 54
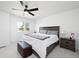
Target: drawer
67, 42
67, 46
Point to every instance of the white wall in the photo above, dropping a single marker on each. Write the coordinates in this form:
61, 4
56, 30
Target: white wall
15, 35
8, 28
68, 22
4, 29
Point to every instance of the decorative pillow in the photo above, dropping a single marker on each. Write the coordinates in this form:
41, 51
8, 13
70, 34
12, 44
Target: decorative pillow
43, 31
52, 32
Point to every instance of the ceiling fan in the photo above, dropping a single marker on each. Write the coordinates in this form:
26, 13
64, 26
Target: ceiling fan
26, 8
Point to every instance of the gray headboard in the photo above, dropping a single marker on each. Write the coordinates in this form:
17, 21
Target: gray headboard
51, 28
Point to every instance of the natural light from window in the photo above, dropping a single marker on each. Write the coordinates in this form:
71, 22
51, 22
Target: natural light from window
23, 27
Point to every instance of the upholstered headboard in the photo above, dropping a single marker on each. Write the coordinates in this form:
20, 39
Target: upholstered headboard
50, 29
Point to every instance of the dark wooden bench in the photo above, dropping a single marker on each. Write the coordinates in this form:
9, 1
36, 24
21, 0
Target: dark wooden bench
24, 49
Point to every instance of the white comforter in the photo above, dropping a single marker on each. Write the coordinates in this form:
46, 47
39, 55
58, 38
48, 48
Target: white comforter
40, 45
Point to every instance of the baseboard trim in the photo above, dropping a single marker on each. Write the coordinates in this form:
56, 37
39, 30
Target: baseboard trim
77, 49
3, 47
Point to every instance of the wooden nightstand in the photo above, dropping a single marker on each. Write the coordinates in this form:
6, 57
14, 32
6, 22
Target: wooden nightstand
67, 43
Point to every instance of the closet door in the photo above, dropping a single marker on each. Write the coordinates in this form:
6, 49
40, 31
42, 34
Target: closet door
4, 29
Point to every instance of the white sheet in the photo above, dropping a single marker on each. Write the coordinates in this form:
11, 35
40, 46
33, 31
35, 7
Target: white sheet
40, 45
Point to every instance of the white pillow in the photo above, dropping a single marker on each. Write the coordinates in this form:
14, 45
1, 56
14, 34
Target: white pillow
43, 31
52, 32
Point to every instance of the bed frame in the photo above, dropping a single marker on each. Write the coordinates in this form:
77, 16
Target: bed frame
52, 46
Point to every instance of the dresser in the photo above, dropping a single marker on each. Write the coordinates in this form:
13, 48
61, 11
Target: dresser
67, 43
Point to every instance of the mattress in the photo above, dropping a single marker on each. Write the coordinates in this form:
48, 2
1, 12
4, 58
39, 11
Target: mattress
40, 46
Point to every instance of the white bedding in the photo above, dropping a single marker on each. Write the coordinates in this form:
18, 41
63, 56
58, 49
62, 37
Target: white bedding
40, 45
37, 36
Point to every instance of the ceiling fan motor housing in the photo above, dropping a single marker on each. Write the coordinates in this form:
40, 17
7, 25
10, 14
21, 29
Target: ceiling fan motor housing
26, 6
25, 10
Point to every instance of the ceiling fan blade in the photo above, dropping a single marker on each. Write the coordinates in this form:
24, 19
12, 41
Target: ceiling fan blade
34, 9
30, 13
16, 9
22, 3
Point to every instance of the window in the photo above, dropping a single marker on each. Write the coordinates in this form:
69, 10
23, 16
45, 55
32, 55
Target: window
27, 27
22, 27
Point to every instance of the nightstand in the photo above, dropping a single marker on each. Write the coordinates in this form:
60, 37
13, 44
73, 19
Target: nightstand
67, 43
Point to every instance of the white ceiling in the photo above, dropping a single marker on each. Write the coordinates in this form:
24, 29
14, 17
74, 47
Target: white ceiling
46, 8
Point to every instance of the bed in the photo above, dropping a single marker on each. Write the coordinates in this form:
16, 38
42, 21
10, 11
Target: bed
39, 46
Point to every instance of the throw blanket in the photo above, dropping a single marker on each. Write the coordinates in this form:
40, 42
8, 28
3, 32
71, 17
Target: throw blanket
37, 36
